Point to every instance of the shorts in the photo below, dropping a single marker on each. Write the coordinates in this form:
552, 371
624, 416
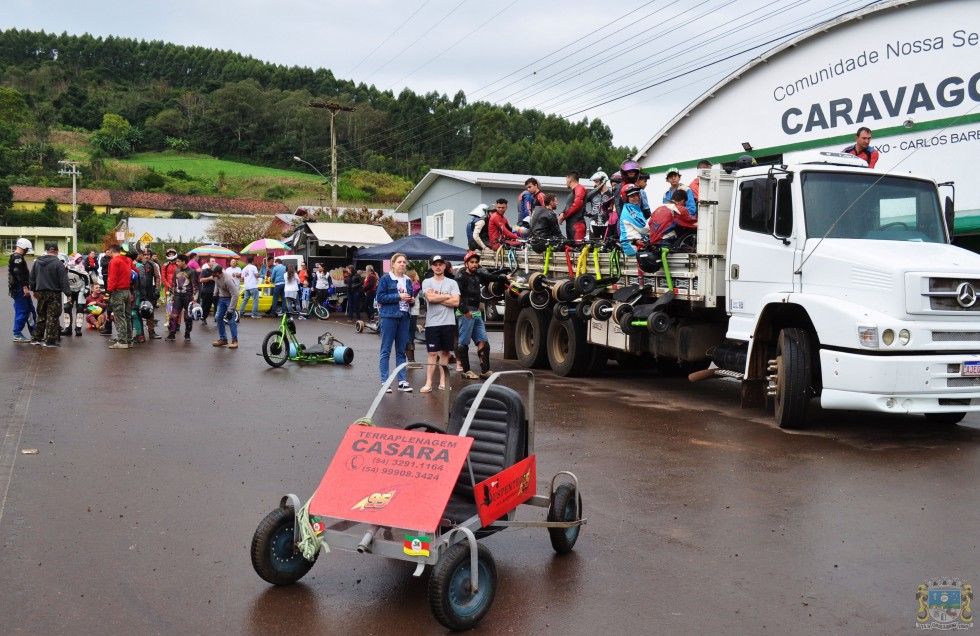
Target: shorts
440, 338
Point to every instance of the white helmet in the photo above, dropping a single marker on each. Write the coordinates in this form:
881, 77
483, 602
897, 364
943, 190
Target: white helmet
195, 312
479, 210
601, 177
24, 244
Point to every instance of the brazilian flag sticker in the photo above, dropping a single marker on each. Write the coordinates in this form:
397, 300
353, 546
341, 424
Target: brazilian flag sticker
416, 546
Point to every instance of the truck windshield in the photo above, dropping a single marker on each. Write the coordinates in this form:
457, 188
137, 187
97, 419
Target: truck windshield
880, 208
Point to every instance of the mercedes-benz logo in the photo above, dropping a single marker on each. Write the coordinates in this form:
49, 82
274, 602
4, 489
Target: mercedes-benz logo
966, 295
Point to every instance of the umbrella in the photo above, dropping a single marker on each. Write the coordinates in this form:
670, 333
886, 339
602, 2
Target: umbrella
263, 245
214, 250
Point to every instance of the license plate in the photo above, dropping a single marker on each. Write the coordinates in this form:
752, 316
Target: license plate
970, 368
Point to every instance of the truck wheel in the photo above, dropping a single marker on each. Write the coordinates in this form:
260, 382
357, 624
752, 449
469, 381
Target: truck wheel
530, 338
945, 419
597, 360
568, 352
793, 378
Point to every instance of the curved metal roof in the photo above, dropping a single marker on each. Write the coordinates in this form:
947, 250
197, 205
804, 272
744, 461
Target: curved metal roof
823, 27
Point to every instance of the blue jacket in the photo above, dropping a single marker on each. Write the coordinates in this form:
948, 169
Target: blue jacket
278, 274
632, 215
387, 297
691, 205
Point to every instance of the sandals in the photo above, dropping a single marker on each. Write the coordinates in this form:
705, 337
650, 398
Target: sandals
426, 389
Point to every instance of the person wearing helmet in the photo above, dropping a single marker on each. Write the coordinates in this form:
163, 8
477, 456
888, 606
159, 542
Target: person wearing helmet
574, 213
168, 269
477, 230
18, 285
184, 291
599, 203
149, 292
633, 226
630, 170
674, 180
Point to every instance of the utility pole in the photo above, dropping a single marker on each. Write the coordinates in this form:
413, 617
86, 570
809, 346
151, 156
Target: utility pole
71, 168
334, 108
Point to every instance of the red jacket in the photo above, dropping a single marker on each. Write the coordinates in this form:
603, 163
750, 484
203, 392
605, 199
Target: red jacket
500, 231
167, 272
575, 210
119, 269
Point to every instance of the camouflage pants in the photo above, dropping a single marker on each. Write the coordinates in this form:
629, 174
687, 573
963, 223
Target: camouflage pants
119, 304
48, 316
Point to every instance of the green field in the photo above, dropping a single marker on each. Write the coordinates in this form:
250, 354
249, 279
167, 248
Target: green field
209, 167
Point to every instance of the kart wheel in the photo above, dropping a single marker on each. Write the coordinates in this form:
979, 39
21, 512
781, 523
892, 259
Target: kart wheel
343, 355
584, 311
658, 322
530, 338
274, 554
944, 419
565, 503
536, 282
585, 284
561, 311
321, 312
451, 598
564, 291
275, 349
359, 326
602, 309
622, 313
539, 299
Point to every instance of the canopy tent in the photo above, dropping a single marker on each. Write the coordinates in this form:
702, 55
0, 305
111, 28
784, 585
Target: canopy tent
415, 247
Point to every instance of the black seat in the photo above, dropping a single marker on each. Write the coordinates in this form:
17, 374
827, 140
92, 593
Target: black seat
499, 431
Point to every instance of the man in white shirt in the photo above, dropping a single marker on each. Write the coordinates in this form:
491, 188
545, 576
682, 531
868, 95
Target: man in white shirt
442, 298
250, 278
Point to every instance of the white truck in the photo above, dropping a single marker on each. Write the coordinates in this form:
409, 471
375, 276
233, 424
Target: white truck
819, 280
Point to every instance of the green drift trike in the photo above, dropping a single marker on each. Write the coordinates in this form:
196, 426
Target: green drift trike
282, 345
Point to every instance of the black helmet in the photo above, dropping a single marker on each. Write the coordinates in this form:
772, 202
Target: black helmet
146, 309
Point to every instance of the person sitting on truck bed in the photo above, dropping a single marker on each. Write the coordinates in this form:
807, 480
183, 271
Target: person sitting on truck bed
670, 220
674, 179
544, 224
500, 230
632, 225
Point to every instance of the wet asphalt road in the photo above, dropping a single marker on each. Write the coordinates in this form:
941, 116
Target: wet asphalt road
156, 464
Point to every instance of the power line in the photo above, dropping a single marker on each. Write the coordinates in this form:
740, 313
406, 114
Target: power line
390, 35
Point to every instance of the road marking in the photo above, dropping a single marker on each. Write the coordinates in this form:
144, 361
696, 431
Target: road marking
13, 430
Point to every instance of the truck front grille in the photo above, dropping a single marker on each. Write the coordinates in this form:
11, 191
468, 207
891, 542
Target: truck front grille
956, 336
954, 294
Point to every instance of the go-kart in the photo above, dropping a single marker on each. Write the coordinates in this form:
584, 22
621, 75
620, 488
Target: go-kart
282, 345
402, 493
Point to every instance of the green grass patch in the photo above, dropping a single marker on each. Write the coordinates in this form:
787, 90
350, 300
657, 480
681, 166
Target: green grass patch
203, 166
4, 259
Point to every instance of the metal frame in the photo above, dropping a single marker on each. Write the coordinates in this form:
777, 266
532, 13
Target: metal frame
381, 540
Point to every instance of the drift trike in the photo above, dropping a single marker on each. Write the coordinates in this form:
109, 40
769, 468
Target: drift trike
282, 345
403, 493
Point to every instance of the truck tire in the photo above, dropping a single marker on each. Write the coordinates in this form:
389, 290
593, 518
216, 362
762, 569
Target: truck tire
530, 338
568, 351
794, 380
597, 360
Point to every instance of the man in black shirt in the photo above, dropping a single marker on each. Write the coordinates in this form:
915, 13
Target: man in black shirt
18, 284
544, 223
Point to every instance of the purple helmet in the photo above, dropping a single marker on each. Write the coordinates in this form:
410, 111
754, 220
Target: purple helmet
629, 165
617, 177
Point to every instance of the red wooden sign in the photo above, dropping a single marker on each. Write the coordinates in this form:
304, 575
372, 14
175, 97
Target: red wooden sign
506, 490
391, 477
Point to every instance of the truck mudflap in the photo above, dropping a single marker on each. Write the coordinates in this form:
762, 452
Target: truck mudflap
915, 384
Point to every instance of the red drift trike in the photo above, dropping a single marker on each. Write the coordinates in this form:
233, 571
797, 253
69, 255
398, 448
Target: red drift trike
425, 495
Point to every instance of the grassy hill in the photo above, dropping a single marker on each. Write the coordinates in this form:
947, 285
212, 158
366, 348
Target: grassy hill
190, 173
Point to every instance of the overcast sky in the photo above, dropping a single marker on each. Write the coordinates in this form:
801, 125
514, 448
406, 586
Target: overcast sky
491, 50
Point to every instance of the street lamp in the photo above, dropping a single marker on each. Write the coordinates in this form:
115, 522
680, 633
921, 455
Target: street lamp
301, 160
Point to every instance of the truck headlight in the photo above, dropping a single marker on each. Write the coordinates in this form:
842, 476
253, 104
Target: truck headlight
904, 336
868, 337
888, 337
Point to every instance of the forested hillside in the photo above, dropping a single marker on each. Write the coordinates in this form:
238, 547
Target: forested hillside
138, 96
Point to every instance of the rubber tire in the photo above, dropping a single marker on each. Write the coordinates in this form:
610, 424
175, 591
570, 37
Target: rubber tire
539, 300
620, 311
321, 312
584, 311
536, 282
359, 326
524, 299
275, 363
564, 291
530, 338
561, 311
563, 509
444, 585
598, 357
271, 563
586, 284
568, 351
794, 378
600, 304
945, 419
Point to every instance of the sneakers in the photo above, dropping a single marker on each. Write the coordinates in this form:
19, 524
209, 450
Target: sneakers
187, 336
35, 341
219, 343
52, 343
233, 344
171, 337
404, 387
119, 345
388, 390
155, 336
470, 375
19, 338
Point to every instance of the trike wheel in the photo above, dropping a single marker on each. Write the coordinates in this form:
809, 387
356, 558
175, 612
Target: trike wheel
359, 326
274, 554
450, 596
275, 349
321, 312
565, 503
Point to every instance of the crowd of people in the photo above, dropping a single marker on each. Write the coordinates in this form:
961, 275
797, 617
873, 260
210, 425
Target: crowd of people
616, 209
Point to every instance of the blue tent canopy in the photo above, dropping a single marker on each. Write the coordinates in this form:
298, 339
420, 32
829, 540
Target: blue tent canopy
416, 247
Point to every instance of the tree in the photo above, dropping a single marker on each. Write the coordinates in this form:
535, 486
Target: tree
6, 200
117, 137
239, 231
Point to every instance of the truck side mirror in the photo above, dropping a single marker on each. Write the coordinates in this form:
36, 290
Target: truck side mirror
950, 217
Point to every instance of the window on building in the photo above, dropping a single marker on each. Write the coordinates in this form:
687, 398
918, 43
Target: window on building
7, 245
440, 225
